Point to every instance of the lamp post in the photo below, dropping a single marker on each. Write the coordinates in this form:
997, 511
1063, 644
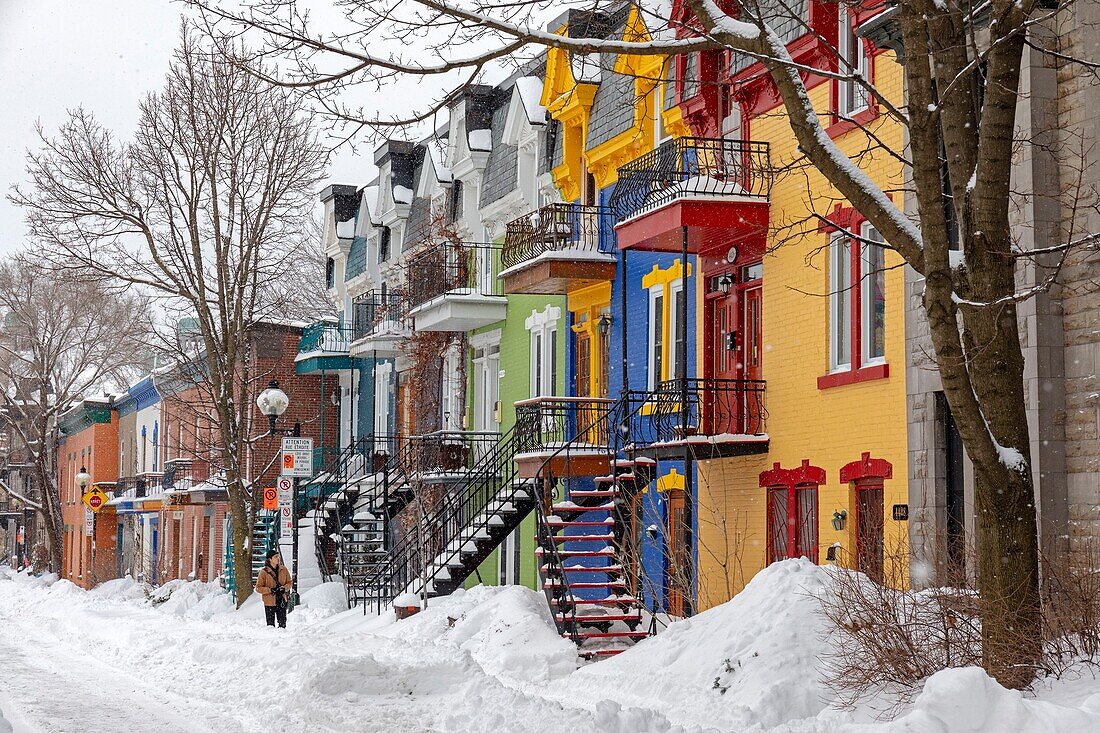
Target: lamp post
272, 403
82, 481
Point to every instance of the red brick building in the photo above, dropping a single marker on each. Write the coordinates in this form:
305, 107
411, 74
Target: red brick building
90, 441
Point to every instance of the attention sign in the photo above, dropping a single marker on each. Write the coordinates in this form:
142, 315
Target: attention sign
297, 457
94, 498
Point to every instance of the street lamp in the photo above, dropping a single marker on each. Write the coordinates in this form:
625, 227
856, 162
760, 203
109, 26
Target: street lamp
83, 479
272, 402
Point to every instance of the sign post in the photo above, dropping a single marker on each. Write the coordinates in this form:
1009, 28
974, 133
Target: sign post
297, 463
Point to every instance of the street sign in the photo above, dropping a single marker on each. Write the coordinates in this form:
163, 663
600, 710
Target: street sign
89, 522
285, 490
94, 498
297, 457
271, 498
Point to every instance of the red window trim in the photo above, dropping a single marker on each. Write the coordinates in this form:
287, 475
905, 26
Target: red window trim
847, 219
838, 126
866, 468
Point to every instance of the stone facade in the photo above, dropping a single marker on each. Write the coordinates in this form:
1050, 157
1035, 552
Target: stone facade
1054, 180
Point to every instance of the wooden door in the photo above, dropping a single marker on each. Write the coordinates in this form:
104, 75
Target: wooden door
869, 531
720, 408
679, 555
583, 386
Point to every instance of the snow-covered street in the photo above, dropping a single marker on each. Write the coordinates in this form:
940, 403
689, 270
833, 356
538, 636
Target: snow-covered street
486, 659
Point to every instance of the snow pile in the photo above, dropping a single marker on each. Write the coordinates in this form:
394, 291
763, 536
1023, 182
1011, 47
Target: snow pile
507, 630
121, 589
191, 599
749, 662
322, 601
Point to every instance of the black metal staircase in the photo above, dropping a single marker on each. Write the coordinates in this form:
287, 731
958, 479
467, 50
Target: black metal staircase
453, 531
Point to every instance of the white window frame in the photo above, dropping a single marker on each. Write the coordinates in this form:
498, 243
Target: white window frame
674, 289
656, 316
866, 292
840, 359
508, 566
851, 97
543, 330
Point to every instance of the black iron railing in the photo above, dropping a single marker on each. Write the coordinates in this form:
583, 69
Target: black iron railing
550, 422
712, 407
564, 228
456, 268
375, 309
692, 167
446, 452
435, 535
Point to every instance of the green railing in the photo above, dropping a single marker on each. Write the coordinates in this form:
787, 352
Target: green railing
325, 336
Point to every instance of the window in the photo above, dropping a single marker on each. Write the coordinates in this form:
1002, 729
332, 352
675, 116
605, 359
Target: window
656, 336
872, 295
792, 522
544, 350
667, 337
691, 76
454, 202
857, 301
384, 244
851, 97
840, 303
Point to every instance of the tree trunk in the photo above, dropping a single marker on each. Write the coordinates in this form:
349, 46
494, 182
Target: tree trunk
241, 543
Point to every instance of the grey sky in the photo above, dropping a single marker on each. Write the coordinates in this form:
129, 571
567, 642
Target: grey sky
104, 55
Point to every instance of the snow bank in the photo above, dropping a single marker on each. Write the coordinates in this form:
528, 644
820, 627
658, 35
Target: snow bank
507, 630
191, 599
749, 662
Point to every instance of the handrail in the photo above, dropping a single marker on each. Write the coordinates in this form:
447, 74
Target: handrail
326, 337
449, 518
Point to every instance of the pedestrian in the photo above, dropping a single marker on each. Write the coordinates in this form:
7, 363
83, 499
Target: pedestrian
274, 585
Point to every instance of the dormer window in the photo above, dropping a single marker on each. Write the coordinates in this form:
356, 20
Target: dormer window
454, 202
384, 244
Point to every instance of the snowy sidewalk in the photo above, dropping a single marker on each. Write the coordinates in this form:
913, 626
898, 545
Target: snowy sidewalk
484, 660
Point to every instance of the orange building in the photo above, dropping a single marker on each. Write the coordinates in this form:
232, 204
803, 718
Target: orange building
89, 441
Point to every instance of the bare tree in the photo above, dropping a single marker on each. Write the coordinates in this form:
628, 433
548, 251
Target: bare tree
63, 337
962, 69
203, 209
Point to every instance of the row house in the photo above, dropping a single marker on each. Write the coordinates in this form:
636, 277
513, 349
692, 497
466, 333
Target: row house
154, 448
677, 381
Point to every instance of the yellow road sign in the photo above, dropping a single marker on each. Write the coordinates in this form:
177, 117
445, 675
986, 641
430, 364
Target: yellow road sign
95, 498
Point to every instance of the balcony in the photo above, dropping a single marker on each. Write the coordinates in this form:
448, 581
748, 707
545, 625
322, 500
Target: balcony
445, 456
558, 248
720, 417
324, 346
143, 492
454, 286
564, 436
380, 323
715, 191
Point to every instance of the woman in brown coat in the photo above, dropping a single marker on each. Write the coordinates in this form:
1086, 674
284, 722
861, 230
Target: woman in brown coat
274, 585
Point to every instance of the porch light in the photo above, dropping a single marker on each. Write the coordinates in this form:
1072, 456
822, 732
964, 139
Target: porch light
725, 283
839, 518
82, 478
603, 325
272, 402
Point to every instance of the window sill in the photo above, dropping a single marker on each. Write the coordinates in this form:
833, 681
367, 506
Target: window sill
854, 376
859, 119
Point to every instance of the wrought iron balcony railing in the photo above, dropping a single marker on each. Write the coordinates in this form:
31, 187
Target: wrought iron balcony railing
713, 407
325, 336
456, 268
446, 451
565, 228
692, 167
550, 422
374, 309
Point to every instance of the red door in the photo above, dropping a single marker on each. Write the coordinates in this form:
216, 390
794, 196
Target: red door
752, 356
719, 409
